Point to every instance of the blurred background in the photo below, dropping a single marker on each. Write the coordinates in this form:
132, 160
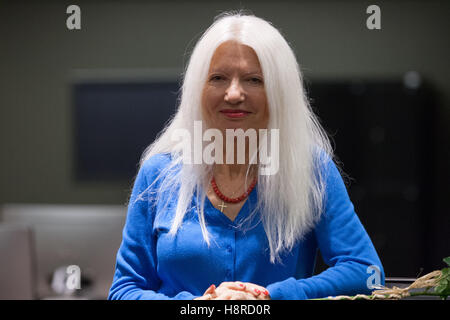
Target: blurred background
78, 107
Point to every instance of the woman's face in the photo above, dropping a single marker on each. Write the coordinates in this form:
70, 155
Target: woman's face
234, 96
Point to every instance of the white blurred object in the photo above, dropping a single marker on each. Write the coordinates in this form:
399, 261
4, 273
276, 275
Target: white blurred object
412, 80
84, 235
59, 282
17, 279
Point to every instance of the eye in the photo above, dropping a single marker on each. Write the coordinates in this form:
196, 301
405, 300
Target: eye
255, 80
216, 77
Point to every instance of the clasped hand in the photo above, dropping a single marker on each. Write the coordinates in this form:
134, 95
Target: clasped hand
235, 291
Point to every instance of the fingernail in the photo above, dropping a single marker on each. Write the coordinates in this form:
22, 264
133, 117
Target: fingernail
257, 291
266, 293
241, 285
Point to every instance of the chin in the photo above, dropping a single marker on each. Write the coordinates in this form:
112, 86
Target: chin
237, 125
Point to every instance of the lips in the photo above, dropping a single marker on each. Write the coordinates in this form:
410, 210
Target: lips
235, 113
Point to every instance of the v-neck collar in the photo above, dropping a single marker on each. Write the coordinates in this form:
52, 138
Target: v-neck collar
242, 214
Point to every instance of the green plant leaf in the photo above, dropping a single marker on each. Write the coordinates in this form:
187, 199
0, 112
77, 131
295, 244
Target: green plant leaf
443, 287
445, 273
447, 261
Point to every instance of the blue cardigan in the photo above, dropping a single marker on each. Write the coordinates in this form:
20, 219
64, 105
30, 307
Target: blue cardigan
151, 264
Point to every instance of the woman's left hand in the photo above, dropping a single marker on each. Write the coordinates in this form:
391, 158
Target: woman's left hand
255, 291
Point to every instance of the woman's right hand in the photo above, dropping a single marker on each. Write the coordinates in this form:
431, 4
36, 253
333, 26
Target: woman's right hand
241, 291
235, 291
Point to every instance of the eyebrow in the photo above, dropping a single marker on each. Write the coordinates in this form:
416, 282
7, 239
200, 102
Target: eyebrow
220, 70
253, 72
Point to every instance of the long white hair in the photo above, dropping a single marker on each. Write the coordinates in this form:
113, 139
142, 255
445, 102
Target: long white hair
290, 201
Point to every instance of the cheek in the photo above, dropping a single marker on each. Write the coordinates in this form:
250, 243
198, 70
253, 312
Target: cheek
263, 118
210, 99
209, 103
262, 104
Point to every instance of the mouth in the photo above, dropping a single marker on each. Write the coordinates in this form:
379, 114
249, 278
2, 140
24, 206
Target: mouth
235, 113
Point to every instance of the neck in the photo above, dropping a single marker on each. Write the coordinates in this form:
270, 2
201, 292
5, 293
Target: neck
235, 171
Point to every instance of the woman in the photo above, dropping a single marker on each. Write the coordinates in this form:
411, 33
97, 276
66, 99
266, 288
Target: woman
225, 230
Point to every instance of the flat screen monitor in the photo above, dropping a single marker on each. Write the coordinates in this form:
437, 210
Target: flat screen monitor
114, 122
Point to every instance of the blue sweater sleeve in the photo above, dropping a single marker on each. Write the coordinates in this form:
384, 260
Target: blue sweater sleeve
135, 275
345, 247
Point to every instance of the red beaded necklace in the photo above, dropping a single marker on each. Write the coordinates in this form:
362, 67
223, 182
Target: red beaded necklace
232, 200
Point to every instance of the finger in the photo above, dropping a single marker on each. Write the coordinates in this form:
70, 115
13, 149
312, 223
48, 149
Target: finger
237, 285
245, 287
229, 294
211, 289
225, 284
224, 293
204, 297
256, 290
245, 296
238, 295
242, 295
223, 296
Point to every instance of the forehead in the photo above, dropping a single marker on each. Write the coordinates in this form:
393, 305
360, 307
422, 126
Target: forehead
231, 54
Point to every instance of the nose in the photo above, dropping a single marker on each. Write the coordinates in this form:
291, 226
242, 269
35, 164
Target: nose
234, 93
